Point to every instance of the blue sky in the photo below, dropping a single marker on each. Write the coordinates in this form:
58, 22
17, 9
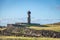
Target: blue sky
42, 11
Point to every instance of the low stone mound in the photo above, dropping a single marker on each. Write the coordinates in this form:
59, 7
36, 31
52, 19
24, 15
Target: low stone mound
27, 32
42, 33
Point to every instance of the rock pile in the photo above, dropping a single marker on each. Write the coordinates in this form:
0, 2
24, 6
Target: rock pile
30, 32
42, 33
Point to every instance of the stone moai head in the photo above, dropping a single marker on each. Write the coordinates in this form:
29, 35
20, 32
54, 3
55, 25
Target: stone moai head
29, 12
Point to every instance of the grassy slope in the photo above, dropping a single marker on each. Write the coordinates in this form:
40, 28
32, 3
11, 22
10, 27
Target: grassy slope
51, 27
26, 38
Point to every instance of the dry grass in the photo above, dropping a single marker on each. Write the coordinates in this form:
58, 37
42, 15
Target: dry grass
26, 38
2, 28
51, 27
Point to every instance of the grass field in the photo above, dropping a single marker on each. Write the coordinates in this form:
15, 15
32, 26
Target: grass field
26, 38
51, 27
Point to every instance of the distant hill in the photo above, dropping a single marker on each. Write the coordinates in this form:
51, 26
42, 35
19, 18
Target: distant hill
2, 26
56, 23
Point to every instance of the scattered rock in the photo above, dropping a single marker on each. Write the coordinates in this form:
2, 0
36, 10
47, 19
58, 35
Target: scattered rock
30, 32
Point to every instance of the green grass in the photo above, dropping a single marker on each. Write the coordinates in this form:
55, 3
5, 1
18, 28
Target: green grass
51, 27
26, 38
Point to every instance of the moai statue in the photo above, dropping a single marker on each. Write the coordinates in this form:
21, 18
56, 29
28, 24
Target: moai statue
29, 17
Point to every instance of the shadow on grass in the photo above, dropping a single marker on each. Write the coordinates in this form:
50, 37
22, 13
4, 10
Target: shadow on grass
38, 25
